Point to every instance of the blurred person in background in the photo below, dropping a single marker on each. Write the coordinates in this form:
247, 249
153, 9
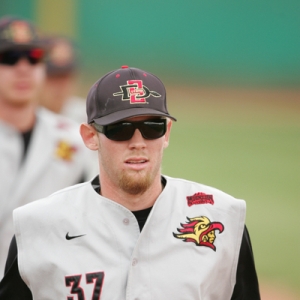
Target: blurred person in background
59, 89
40, 152
62, 67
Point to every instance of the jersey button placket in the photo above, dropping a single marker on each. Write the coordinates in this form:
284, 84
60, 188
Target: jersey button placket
134, 262
126, 221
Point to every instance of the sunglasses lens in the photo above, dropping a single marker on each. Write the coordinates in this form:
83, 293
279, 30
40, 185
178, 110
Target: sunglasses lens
120, 131
123, 131
11, 57
153, 129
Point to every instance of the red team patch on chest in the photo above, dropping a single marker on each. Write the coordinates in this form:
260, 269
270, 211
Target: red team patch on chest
200, 198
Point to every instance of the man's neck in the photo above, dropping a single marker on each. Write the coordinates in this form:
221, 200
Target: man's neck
133, 202
21, 117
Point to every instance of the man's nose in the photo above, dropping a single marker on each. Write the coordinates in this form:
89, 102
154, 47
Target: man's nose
137, 138
23, 63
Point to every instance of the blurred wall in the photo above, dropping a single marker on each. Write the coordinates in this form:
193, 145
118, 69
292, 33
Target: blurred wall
23, 9
248, 43
229, 42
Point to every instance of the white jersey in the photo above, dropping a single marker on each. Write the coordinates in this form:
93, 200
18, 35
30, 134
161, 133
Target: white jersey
75, 109
56, 158
77, 244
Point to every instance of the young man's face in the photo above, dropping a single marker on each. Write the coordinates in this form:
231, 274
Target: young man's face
132, 165
21, 82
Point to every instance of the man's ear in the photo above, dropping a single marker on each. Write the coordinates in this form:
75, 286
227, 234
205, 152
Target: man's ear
89, 136
167, 134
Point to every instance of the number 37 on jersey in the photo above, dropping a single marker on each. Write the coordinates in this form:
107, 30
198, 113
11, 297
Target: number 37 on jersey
82, 284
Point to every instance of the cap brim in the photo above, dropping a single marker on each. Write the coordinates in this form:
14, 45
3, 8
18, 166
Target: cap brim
10, 46
132, 112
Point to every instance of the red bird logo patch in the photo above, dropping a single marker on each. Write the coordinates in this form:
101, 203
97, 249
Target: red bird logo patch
199, 230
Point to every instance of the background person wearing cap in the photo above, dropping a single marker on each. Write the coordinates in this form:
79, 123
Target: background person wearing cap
58, 92
131, 232
62, 67
40, 152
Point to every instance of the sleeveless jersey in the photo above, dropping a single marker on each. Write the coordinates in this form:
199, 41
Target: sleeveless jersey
76, 244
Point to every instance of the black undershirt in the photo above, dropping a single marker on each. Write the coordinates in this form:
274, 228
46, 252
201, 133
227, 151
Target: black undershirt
141, 216
26, 140
12, 287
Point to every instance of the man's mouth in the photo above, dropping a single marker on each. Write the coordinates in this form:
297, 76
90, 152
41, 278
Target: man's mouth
136, 161
141, 161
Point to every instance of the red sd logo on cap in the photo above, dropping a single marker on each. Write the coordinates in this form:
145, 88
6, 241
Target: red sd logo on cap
19, 32
136, 92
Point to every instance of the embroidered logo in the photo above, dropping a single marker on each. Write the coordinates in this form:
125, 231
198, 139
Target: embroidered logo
65, 151
199, 230
69, 237
19, 32
63, 125
200, 198
135, 92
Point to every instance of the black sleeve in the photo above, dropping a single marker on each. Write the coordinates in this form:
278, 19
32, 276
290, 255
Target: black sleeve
12, 287
246, 286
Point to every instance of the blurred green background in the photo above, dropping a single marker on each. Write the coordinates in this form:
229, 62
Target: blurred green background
232, 73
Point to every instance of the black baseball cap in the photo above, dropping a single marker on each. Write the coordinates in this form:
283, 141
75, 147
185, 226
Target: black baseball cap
19, 33
62, 56
124, 93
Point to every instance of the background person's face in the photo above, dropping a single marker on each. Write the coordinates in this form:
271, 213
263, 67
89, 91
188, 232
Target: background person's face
21, 83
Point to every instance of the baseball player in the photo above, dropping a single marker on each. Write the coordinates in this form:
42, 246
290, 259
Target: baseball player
40, 152
131, 232
62, 68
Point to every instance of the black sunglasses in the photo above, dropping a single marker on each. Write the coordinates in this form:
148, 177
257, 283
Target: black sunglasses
123, 131
11, 57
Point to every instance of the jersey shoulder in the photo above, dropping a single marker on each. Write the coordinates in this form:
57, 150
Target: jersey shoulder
63, 197
181, 183
56, 121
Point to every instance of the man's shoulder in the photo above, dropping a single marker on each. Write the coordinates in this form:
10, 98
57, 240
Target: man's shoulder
56, 200
185, 183
59, 128
194, 189
56, 121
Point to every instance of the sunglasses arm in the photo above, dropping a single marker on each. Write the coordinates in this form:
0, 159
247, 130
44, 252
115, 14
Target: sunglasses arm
99, 128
